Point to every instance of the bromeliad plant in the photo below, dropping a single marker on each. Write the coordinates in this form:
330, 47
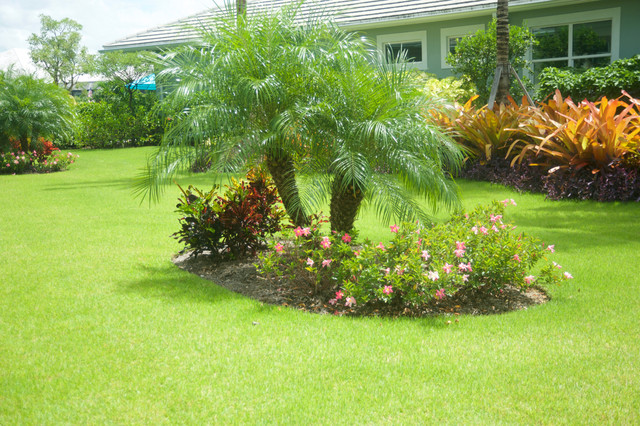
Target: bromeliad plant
231, 225
595, 135
472, 250
485, 134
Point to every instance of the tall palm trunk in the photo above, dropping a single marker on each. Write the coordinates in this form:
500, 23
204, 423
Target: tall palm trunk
502, 50
344, 206
283, 173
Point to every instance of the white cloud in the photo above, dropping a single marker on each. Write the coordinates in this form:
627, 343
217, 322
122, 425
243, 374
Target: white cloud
103, 21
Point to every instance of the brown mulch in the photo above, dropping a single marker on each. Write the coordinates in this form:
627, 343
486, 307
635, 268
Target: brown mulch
241, 276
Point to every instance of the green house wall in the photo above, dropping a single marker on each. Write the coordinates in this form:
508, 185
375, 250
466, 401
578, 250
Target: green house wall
629, 39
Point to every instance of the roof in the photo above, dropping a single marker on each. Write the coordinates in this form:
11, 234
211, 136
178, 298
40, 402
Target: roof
350, 14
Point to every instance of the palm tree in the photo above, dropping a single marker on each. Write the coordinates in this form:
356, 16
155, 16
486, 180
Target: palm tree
32, 108
235, 94
502, 51
381, 148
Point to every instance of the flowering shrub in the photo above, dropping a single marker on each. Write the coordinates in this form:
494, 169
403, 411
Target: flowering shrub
44, 161
472, 250
231, 225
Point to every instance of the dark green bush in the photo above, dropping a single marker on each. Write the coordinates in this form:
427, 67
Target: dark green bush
593, 83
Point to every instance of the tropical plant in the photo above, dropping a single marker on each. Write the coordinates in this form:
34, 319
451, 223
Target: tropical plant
381, 150
449, 89
231, 225
475, 58
587, 134
232, 96
31, 108
485, 134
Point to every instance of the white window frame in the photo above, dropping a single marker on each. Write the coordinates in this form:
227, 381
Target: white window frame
612, 14
447, 33
412, 36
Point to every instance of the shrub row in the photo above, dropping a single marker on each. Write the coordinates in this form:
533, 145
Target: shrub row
593, 83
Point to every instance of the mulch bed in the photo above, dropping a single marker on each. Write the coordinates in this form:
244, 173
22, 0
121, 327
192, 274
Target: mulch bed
241, 276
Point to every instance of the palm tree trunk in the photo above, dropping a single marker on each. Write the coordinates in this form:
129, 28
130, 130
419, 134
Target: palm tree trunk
502, 50
284, 176
344, 206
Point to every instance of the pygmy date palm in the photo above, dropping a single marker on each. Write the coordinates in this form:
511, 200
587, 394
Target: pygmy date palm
230, 95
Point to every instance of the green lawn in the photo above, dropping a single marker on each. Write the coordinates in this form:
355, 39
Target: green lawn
98, 326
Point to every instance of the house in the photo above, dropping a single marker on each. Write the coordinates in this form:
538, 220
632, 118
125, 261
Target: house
575, 33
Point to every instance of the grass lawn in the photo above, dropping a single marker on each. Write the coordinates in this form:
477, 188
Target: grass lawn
98, 326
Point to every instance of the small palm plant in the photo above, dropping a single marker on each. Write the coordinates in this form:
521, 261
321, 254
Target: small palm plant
31, 108
381, 149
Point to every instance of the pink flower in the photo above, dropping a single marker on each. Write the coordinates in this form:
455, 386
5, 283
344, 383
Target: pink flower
346, 238
433, 275
306, 231
447, 268
466, 215
465, 278
495, 218
356, 253
475, 230
350, 302
529, 279
386, 271
458, 253
16, 161
551, 248
387, 289
394, 228
568, 276
333, 301
399, 270
279, 248
339, 294
326, 263
380, 246
325, 243
556, 265
483, 230
425, 255
508, 201
298, 232
310, 261
440, 294
465, 267
513, 203
494, 229
460, 245
503, 226
516, 258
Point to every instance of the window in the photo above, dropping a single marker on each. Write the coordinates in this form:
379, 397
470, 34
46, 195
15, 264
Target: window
578, 40
412, 44
449, 38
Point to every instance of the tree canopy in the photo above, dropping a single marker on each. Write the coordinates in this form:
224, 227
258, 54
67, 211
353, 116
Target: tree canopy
57, 50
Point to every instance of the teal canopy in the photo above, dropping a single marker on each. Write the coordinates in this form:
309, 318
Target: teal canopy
148, 82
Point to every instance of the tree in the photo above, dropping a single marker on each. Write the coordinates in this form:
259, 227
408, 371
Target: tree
502, 51
475, 57
31, 108
57, 50
232, 95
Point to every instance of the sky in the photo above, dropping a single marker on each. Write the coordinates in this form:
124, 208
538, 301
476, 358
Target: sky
103, 21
